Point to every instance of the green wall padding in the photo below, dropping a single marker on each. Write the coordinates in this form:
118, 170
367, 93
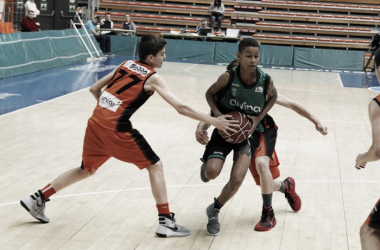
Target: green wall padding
225, 52
328, 59
276, 55
191, 50
124, 45
22, 53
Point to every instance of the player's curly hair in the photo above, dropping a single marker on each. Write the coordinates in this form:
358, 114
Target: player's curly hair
248, 42
150, 45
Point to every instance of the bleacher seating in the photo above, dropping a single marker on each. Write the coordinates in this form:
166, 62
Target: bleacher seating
346, 24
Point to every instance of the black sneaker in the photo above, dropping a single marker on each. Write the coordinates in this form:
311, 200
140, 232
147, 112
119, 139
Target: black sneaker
203, 176
267, 221
169, 228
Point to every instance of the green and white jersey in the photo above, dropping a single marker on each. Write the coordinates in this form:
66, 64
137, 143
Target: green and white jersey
237, 96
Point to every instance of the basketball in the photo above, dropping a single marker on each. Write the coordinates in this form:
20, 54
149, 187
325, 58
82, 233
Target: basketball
242, 132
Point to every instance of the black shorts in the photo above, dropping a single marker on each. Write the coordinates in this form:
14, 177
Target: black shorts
263, 144
217, 147
373, 219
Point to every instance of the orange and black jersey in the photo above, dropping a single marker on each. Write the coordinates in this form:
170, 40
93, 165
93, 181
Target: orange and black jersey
377, 99
123, 95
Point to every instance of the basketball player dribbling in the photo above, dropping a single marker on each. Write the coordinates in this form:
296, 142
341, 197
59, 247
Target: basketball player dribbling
370, 230
110, 132
288, 185
247, 89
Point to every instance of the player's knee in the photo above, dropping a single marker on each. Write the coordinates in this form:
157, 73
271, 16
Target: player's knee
212, 171
262, 168
157, 167
366, 231
235, 182
377, 152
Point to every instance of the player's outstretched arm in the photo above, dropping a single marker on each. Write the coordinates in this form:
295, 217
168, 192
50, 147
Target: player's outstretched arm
295, 106
157, 83
96, 88
373, 153
271, 100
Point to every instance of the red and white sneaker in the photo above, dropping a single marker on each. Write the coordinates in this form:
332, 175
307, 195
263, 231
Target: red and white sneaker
267, 221
290, 194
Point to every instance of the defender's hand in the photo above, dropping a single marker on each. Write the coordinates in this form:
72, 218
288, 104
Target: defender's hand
359, 164
201, 136
321, 129
225, 124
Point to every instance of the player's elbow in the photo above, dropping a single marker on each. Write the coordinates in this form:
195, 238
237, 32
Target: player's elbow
182, 109
377, 152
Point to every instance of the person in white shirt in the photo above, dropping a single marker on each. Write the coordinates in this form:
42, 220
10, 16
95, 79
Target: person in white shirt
31, 5
216, 9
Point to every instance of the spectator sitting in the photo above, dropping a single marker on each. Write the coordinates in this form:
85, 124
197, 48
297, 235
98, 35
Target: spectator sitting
29, 24
103, 40
128, 25
31, 5
107, 24
203, 24
216, 9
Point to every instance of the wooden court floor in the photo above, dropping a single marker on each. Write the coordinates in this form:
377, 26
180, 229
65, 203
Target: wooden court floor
115, 208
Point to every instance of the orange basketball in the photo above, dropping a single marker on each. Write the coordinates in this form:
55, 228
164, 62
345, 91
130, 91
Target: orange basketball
242, 132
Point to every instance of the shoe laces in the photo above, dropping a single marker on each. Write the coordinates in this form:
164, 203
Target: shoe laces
179, 227
265, 216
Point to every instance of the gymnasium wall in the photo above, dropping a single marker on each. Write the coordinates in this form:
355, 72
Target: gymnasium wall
26, 52
22, 53
275, 55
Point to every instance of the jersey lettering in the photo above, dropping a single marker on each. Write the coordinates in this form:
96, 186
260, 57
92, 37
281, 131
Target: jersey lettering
109, 101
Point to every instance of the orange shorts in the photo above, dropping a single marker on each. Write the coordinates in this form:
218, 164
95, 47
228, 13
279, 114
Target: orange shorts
373, 219
273, 167
100, 144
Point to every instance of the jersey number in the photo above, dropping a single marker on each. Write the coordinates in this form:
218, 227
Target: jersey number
123, 73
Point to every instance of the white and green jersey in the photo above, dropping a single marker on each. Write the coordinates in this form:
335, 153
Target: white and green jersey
237, 96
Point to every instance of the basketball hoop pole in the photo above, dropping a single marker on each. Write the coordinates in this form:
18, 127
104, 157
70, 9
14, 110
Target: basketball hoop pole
80, 36
80, 20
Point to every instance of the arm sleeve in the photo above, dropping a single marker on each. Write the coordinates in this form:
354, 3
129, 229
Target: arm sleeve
222, 8
211, 9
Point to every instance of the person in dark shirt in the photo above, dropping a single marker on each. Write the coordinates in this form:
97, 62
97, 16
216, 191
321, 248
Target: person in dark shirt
107, 24
128, 25
29, 24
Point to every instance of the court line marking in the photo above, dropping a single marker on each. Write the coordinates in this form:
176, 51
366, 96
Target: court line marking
51, 100
179, 186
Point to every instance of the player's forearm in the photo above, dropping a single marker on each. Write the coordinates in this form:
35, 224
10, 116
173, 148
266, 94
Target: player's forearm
373, 154
203, 126
196, 115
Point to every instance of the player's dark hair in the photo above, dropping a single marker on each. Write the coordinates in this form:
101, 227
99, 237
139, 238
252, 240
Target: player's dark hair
150, 45
233, 63
248, 42
377, 58
217, 3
